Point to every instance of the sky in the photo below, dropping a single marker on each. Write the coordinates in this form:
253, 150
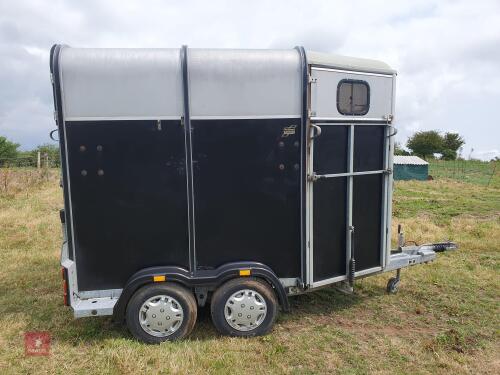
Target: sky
447, 53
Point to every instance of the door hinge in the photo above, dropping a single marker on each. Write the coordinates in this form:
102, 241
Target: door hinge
313, 177
388, 118
51, 78
313, 79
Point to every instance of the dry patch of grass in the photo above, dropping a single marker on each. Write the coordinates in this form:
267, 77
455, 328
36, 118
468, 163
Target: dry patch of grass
444, 319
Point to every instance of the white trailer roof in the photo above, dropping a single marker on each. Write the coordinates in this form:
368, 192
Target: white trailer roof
409, 160
348, 63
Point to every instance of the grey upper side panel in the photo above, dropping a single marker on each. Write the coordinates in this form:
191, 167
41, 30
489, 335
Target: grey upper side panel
325, 90
348, 63
121, 83
244, 83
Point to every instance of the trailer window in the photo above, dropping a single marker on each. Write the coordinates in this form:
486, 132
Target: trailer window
353, 97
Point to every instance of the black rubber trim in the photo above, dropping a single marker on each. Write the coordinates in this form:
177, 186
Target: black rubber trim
56, 92
189, 159
303, 148
203, 278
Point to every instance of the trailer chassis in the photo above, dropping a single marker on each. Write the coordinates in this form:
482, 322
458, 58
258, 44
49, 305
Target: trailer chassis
109, 302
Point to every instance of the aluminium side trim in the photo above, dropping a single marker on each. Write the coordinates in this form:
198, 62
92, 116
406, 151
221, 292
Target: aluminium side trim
121, 118
360, 72
350, 119
244, 117
385, 182
303, 162
368, 271
390, 179
329, 281
58, 88
349, 200
101, 293
189, 160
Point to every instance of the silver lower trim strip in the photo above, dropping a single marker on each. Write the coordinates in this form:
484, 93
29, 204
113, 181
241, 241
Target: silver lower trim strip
94, 307
367, 271
332, 280
113, 293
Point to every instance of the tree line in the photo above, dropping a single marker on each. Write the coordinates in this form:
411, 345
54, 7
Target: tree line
427, 143
10, 155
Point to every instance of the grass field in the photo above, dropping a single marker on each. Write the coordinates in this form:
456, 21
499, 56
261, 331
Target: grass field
445, 318
473, 171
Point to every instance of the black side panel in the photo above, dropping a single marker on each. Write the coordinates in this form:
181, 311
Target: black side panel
329, 237
368, 148
247, 193
128, 195
367, 215
330, 150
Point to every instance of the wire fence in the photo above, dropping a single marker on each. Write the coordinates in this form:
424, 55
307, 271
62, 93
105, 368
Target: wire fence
36, 160
473, 171
22, 173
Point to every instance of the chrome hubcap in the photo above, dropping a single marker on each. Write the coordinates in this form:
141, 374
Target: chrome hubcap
161, 316
245, 310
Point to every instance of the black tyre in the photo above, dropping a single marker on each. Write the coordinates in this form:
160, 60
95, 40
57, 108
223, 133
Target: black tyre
244, 307
393, 285
161, 312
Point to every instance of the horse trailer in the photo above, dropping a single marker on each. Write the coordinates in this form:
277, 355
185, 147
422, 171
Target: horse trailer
234, 178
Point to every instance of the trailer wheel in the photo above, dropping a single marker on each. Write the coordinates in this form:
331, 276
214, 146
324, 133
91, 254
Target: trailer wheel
161, 312
393, 285
244, 307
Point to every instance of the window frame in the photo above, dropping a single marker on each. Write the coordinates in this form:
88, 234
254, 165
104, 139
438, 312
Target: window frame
352, 82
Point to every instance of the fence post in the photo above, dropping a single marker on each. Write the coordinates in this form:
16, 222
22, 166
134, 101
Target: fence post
38, 160
492, 173
46, 157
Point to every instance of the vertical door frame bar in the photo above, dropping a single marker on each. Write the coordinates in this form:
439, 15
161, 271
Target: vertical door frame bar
304, 165
350, 182
385, 183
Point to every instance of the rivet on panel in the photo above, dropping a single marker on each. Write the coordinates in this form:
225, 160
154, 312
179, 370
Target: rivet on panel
100, 172
83, 148
84, 173
99, 148
282, 167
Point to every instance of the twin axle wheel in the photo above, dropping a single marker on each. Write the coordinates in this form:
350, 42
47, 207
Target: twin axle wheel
164, 312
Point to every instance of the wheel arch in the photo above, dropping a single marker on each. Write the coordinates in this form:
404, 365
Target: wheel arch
211, 279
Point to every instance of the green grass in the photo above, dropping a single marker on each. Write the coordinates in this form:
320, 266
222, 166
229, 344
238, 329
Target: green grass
472, 171
445, 318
